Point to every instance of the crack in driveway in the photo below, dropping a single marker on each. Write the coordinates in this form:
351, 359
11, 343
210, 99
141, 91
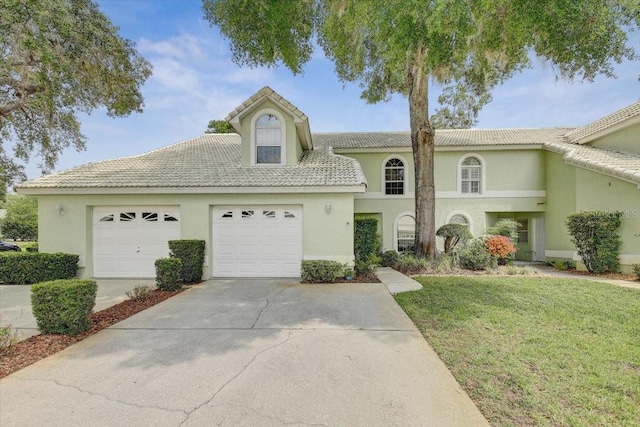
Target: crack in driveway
104, 396
244, 369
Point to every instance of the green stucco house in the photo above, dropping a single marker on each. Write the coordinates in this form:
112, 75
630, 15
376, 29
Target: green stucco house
275, 193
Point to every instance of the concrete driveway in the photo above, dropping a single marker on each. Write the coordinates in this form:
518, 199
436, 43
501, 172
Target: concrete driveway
247, 353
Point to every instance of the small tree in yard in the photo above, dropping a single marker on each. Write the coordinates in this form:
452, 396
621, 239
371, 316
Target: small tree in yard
595, 234
453, 234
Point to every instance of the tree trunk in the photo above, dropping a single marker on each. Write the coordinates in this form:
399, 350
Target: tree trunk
422, 141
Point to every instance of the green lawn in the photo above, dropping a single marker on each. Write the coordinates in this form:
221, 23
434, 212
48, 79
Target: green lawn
536, 351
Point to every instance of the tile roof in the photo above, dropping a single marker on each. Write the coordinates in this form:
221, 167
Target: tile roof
604, 123
210, 160
619, 164
444, 138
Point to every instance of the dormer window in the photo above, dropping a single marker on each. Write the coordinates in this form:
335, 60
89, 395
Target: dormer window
268, 140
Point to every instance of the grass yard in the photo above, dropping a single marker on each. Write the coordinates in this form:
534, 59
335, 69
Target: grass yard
536, 351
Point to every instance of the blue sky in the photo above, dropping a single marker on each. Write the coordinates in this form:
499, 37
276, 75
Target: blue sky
195, 81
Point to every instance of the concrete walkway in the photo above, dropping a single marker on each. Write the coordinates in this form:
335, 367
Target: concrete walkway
550, 271
397, 282
247, 353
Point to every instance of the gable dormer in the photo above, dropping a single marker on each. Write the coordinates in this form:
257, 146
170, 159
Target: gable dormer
273, 131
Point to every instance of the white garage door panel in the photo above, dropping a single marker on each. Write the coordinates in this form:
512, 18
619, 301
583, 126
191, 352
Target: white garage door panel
128, 239
257, 241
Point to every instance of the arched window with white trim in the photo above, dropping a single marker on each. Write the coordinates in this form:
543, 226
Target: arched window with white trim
471, 176
268, 147
394, 177
406, 233
459, 219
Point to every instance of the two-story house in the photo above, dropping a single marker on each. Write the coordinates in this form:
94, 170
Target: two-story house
275, 193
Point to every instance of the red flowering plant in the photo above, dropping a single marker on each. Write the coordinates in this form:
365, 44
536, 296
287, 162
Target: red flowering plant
500, 247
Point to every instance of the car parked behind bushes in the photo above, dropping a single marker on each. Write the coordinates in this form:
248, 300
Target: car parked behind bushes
5, 246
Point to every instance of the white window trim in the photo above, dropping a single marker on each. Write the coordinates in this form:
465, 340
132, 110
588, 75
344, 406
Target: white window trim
395, 226
283, 137
383, 180
483, 174
464, 214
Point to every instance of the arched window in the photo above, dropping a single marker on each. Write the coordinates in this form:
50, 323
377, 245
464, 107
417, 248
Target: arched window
394, 177
406, 233
268, 140
459, 219
471, 176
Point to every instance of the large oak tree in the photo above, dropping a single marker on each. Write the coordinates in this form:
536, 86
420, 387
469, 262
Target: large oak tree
58, 58
404, 46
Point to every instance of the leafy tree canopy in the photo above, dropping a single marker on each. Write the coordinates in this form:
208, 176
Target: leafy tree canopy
403, 46
57, 58
219, 126
21, 220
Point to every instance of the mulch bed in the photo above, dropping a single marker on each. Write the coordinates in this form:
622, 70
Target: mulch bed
40, 346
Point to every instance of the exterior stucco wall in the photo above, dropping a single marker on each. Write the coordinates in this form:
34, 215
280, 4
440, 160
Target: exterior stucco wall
73, 231
561, 202
515, 182
293, 149
595, 191
373, 167
627, 139
505, 170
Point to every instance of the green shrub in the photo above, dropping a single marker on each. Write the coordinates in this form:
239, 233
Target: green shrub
409, 264
321, 271
366, 269
31, 247
390, 258
505, 227
191, 253
63, 306
596, 237
445, 263
636, 271
365, 234
139, 292
562, 265
8, 339
514, 270
169, 274
453, 234
32, 267
475, 256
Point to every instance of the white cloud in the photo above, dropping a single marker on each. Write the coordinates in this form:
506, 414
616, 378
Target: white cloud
184, 46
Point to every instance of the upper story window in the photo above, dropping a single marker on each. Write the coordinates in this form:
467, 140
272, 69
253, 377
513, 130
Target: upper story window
394, 177
471, 176
268, 140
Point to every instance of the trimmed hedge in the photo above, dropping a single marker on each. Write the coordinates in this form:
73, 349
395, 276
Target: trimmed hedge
365, 238
25, 268
169, 274
63, 306
191, 253
321, 271
595, 234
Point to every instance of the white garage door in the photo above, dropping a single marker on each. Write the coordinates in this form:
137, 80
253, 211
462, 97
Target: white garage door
128, 239
257, 241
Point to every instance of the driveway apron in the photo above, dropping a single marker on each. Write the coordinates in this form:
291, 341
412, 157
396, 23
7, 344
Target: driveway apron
247, 353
